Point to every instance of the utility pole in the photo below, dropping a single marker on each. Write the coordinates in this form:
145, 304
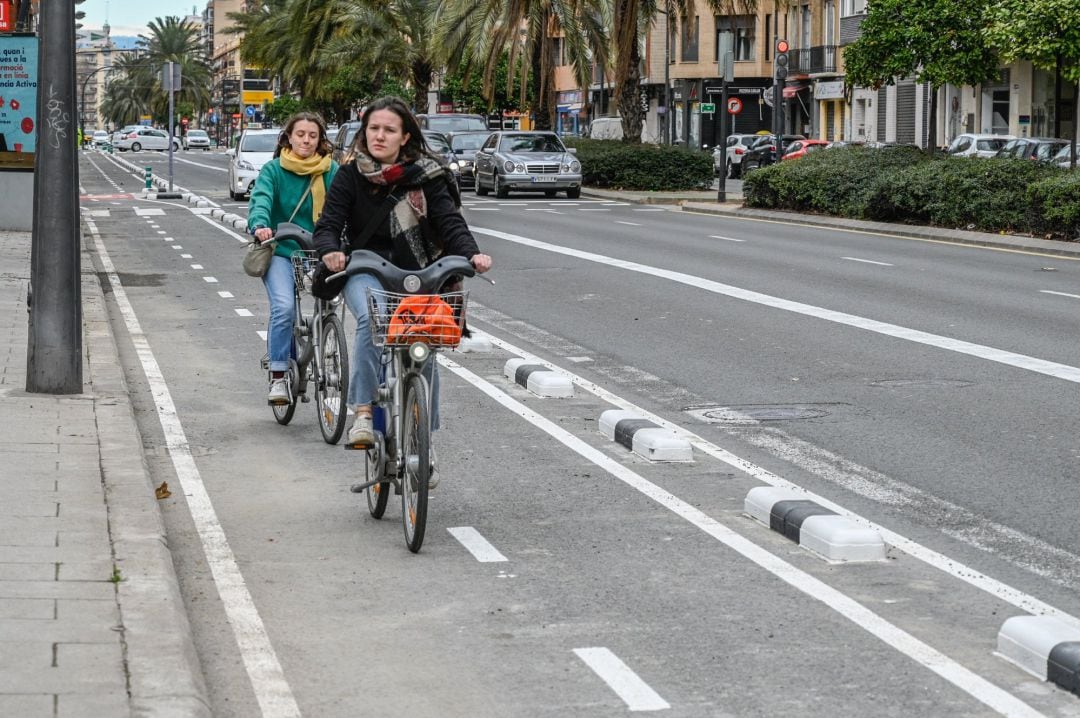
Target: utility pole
726, 70
54, 347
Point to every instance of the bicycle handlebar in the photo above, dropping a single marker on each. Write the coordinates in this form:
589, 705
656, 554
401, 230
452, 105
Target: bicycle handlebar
393, 278
288, 230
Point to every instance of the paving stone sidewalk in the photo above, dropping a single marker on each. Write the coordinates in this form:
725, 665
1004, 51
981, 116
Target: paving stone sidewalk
91, 618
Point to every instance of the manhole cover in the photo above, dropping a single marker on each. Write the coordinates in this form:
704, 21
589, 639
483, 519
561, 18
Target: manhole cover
922, 383
755, 413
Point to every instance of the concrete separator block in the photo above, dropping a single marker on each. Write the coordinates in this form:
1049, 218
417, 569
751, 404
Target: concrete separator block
475, 344
812, 526
240, 223
229, 218
611, 417
538, 379
760, 500
217, 213
661, 445
1045, 647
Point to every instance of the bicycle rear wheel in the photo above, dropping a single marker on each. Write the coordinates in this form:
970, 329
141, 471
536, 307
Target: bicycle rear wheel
284, 412
331, 388
378, 494
416, 443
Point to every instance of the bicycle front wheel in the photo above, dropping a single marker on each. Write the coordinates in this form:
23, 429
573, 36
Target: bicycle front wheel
332, 387
416, 443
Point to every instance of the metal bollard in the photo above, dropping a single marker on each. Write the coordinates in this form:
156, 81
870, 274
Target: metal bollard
149, 173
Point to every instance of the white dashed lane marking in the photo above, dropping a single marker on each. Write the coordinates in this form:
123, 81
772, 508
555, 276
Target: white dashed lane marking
185, 256
225, 295
1060, 294
476, 544
196, 266
244, 312
868, 261
210, 280
632, 224
726, 239
634, 692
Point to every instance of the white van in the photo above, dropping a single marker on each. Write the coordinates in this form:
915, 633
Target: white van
606, 128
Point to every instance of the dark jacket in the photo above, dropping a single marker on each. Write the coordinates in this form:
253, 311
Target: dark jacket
352, 200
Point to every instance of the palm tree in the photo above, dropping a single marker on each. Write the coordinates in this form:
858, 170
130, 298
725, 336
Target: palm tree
477, 33
175, 40
635, 18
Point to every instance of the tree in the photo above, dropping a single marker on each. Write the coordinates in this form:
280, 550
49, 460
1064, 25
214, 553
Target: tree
1046, 32
476, 34
936, 41
467, 89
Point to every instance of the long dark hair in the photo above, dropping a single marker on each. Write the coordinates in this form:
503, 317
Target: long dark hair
414, 149
323, 148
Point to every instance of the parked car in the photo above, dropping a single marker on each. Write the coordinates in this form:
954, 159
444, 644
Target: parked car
1064, 156
977, 145
526, 161
1040, 149
100, 138
452, 122
763, 152
146, 138
344, 138
465, 145
438, 144
197, 139
125, 130
801, 148
728, 159
255, 148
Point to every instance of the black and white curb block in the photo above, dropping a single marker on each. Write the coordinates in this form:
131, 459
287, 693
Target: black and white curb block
645, 438
538, 379
813, 526
1045, 647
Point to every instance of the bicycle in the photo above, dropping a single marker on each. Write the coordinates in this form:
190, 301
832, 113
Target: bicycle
401, 456
320, 354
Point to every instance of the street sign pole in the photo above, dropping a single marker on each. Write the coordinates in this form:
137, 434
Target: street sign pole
171, 82
54, 359
726, 70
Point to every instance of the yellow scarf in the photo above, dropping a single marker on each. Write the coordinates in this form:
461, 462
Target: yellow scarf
315, 166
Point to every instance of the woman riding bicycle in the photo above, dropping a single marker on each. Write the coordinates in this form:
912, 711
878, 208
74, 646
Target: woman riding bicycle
390, 197
292, 187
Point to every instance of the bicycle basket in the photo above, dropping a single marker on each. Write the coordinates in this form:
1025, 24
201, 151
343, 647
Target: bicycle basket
303, 264
402, 319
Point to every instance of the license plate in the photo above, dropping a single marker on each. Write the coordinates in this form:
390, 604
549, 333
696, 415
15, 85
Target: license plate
544, 178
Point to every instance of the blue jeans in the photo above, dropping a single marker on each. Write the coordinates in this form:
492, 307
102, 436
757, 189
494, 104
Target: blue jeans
278, 281
364, 375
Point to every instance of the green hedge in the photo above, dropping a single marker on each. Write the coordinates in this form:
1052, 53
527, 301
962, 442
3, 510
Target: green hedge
902, 184
618, 165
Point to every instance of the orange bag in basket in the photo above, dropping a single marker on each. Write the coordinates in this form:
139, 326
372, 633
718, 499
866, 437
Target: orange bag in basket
424, 318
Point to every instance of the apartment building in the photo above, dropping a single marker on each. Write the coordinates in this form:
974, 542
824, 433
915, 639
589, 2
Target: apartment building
682, 55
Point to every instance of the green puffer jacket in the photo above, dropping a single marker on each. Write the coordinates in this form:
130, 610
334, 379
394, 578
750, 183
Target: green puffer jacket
274, 198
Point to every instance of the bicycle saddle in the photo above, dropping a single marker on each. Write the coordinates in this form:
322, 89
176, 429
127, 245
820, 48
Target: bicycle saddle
407, 281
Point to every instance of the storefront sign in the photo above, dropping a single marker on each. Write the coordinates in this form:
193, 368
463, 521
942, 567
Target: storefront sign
833, 90
18, 102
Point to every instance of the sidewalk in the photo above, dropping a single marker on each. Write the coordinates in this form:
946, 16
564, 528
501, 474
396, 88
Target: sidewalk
91, 619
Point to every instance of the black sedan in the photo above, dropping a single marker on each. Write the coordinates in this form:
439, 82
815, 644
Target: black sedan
763, 152
465, 145
526, 162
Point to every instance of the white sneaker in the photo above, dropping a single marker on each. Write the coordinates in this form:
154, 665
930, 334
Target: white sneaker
279, 393
361, 434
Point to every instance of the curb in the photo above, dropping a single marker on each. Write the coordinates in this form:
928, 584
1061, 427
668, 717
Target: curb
164, 674
645, 438
1044, 647
539, 379
812, 526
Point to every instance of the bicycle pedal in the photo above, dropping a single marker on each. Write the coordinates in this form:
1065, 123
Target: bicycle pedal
357, 488
305, 399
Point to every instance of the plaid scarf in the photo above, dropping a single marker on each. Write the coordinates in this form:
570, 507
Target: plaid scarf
406, 216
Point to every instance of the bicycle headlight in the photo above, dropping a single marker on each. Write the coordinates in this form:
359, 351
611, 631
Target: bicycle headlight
419, 352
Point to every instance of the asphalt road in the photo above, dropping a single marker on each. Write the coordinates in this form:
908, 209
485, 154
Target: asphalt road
923, 386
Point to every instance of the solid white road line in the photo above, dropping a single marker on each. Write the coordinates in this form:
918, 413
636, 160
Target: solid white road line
267, 679
1001, 356
893, 636
868, 261
476, 544
952, 567
634, 692
728, 239
215, 223
1060, 294
200, 164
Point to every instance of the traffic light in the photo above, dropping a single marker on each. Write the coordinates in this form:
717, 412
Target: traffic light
781, 67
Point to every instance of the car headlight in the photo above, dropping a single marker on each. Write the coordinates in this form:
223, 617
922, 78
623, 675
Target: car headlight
508, 166
454, 166
575, 166
519, 168
245, 165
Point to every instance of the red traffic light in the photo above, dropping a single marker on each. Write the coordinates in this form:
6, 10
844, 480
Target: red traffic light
781, 46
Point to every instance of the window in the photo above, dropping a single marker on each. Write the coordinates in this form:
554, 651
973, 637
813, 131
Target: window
830, 22
768, 34
673, 34
853, 7
744, 36
690, 39
804, 27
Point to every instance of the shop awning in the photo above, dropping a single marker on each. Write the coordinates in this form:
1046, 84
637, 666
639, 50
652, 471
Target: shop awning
576, 107
792, 90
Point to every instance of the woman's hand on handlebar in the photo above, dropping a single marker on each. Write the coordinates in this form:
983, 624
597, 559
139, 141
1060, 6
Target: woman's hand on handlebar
481, 262
264, 233
334, 261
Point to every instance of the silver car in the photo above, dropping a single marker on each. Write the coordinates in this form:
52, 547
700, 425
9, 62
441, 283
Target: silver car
527, 162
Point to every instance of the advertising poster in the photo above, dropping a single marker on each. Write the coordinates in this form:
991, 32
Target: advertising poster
18, 100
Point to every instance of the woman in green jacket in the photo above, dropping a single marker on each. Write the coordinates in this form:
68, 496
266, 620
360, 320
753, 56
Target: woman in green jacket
290, 188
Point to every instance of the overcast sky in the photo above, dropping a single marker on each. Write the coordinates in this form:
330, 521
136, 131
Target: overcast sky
130, 17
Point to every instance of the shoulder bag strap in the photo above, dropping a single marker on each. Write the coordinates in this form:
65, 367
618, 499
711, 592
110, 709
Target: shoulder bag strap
373, 224
303, 196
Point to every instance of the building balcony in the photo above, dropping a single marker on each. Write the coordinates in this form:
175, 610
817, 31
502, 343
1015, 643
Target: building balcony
813, 60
